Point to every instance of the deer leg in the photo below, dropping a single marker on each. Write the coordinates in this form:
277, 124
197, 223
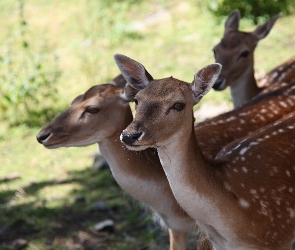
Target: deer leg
177, 240
204, 243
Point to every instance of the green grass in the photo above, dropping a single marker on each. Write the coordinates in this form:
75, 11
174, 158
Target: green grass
168, 38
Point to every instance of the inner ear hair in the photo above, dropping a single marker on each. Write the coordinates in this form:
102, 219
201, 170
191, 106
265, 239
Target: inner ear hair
129, 93
119, 81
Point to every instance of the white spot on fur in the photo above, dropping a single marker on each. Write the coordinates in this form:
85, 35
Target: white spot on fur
263, 207
253, 191
244, 203
243, 151
245, 169
275, 74
227, 186
292, 212
283, 104
288, 173
230, 118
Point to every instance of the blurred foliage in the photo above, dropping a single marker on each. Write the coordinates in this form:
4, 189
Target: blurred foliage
111, 21
29, 77
107, 27
256, 10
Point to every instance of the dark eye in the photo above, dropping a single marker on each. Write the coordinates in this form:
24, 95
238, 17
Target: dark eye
244, 54
135, 101
178, 106
92, 110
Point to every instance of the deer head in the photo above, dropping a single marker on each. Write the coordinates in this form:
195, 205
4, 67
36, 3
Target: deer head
252, 180
93, 116
99, 116
235, 53
176, 105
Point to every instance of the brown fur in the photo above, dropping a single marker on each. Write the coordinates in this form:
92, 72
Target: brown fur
243, 200
238, 70
259, 112
139, 173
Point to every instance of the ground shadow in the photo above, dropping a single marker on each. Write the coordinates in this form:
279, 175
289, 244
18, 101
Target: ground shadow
71, 225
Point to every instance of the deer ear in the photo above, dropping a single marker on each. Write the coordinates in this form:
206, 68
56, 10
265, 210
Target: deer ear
133, 71
129, 93
77, 99
262, 30
119, 81
204, 80
233, 21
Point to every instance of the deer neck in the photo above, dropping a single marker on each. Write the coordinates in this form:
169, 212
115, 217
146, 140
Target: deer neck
131, 168
141, 175
244, 89
196, 185
120, 159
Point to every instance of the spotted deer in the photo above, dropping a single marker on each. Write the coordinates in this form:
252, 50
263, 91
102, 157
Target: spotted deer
245, 198
235, 53
262, 110
99, 116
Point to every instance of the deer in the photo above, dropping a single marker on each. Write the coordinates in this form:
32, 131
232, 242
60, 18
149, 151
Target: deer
260, 111
99, 116
235, 52
245, 198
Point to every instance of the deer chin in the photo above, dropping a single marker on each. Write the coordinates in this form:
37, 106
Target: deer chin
66, 142
136, 147
53, 145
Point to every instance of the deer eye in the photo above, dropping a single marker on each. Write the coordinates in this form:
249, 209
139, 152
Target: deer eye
135, 101
178, 106
92, 110
244, 54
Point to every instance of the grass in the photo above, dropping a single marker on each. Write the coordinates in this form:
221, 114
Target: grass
169, 38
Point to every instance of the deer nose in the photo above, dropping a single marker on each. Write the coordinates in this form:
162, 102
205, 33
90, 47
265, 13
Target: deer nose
129, 139
219, 84
41, 138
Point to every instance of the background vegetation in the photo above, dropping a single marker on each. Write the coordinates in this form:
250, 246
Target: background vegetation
255, 10
51, 51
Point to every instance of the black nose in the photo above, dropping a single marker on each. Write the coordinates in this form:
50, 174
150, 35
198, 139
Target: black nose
129, 139
218, 83
41, 138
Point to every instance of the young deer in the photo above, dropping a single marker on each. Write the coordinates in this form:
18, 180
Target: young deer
245, 199
99, 116
235, 53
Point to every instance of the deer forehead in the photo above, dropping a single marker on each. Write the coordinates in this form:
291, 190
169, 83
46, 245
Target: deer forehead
236, 40
99, 95
103, 90
165, 90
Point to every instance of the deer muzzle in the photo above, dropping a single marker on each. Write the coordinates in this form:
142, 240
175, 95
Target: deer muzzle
130, 139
